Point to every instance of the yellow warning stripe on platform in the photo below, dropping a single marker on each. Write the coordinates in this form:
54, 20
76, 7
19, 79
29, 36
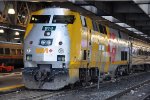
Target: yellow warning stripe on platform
11, 87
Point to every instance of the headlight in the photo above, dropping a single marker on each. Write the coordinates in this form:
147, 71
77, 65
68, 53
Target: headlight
29, 57
60, 57
45, 42
47, 33
48, 42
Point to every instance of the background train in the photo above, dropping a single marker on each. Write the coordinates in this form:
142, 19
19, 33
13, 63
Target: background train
11, 54
62, 47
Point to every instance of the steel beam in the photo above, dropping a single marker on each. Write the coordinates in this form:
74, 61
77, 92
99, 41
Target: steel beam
126, 7
137, 17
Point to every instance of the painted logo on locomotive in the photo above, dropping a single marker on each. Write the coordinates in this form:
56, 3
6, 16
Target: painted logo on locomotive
113, 48
43, 50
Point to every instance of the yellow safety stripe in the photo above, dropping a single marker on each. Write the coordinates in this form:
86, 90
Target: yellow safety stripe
11, 87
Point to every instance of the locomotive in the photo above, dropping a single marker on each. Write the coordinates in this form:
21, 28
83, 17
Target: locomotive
62, 47
11, 54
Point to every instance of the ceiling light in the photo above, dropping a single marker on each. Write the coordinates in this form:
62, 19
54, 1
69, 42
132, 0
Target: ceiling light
17, 33
16, 38
11, 9
1, 31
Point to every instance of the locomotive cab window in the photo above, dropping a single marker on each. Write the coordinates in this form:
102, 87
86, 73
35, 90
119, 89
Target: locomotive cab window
40, 19
83, 21
64, 19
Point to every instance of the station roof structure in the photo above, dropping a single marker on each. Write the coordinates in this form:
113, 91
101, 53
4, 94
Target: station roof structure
132, 16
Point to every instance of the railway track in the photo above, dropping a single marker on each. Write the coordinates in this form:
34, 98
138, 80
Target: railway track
25, 94
118, 95
147, 97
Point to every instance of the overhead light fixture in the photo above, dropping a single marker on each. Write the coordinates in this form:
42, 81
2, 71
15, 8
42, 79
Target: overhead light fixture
11, 9
16, 38
1, 31
110, 18
17, 33
123, 25
140, 33
130, 28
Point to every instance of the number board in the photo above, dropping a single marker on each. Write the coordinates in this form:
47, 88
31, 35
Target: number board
49, 28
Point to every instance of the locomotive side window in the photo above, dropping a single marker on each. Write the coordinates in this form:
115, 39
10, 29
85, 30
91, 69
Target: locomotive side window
104, 29
119, 34
83, 21
100, 28
7, 51
40, 19
94, 26
1, 51
64, 19
84, 55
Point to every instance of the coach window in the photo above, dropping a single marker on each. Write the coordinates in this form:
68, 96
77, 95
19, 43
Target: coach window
1, 51
40, 19
13, 51
123, 55
83, 21
148, 53
21, 51
18, 51
94, 26
140, 52
119, 34
7, 51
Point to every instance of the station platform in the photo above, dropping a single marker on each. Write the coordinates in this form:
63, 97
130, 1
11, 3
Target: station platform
10, 81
